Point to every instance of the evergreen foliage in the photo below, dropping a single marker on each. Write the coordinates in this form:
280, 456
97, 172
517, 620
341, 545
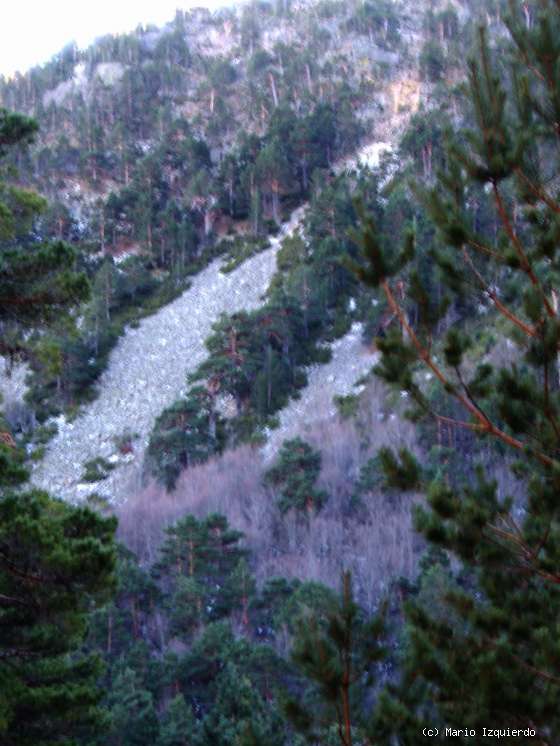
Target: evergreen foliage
56, 561
492, 656
151, 149
178, 724
183, 643
192, 643
294, 475
257, 358
133, 716
200, 562
37, 279
187, 433
240, 713
336, 652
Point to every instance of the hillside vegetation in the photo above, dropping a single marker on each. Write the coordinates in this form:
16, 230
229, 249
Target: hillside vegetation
287, 306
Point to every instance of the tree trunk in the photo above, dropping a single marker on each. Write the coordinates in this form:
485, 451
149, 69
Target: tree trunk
305, 304
244, 613
255, 206
305, 174
134, 619
107, 294
273, 89
191, 558
207, 222
102, 231
276, 201
555, 308
269, 377
109, 632
230, 190
346, 700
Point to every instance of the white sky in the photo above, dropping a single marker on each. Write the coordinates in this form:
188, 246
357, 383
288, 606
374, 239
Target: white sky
32, 31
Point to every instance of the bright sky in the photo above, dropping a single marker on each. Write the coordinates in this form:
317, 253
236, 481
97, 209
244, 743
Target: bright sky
32, 31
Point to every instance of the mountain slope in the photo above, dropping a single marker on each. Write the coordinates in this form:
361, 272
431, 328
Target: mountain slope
147, 371
148, 368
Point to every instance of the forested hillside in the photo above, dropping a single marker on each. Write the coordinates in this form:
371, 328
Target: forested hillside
281, 281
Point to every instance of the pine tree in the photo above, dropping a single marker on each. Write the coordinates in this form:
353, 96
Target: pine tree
133, 716
295, 473
336, 652
37, 280
241, 590
185, 434
178, 724
501, 664
273, 172
56, 560
198, 561
238, 711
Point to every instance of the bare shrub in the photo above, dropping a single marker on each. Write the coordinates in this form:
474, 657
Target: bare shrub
230, 484
374, 539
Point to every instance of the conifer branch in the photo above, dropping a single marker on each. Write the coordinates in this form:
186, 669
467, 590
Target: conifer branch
537, 191
526, 553
10, 600
547, 409
476, 426
486, 425
512, 539
529, 331
537, 671
484, 249
514, 238
7, 654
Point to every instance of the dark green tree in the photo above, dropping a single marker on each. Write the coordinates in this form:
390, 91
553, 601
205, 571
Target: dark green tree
37, 280
241, 589
273, 173
336, 653
294, 475
178, 725
133, 716
186, 434
198, 563
501, 663
56, 560
240, 711
432, 62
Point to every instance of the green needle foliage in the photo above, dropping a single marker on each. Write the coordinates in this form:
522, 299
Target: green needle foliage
178, 724
133, 715
187, 433
200, 565
294, 475
336, 652
37, 280
240, 715
56, 560
501, 664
